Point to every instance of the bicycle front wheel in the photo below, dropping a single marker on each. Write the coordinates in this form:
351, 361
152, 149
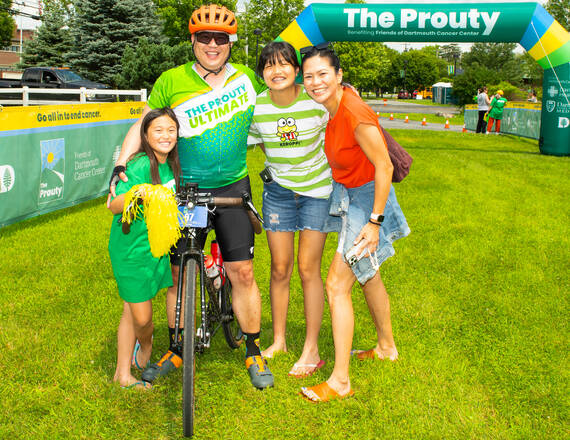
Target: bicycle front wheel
188, 350
232, 330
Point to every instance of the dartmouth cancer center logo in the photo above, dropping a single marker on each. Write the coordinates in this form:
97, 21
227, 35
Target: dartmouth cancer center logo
53, 168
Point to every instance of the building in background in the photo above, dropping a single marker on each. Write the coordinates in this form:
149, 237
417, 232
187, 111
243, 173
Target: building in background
26, 16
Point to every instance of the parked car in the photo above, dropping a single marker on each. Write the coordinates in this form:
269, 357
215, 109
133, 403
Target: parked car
55, 78
403, 94
8, 82
427, 93
423, 94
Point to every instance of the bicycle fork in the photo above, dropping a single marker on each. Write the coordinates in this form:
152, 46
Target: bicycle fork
202, 334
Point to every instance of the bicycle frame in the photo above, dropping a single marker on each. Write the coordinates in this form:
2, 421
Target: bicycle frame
189, 194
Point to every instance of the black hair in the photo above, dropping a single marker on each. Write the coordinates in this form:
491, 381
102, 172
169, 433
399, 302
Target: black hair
326, 52
145, 148
275, 51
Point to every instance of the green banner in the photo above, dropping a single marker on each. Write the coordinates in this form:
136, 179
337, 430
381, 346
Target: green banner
470, 117
520, 119
556, 111
443, 22
52, 157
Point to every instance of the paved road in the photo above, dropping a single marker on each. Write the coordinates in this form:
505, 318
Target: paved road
417, 125
395, 106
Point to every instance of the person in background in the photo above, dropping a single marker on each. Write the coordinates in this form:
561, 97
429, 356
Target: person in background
496, 112
483, 102
532, 97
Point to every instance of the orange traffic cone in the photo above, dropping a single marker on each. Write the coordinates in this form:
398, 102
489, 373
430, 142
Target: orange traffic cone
446, 123
424, 121
406, 120
391, 116
464, 129
385, 101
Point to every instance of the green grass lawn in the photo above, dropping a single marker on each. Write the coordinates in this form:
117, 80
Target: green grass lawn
479, 296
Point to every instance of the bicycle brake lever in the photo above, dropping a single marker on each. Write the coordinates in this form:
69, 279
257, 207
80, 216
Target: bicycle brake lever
248, 204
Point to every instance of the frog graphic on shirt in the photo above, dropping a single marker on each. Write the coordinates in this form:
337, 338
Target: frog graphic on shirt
287, 129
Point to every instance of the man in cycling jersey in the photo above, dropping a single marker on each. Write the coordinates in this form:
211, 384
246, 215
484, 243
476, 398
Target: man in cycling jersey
213, 101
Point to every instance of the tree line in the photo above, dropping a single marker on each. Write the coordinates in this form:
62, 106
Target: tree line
128, 43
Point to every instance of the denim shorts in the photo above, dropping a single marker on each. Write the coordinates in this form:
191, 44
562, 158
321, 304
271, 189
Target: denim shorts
350, 210
286, 211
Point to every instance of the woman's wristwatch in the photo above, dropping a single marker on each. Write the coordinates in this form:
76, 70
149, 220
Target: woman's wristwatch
376, 219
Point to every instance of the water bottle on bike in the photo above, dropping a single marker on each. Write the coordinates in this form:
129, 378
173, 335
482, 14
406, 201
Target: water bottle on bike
212, 271
217, 256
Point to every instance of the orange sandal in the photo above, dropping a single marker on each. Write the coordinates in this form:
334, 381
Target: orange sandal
322, 393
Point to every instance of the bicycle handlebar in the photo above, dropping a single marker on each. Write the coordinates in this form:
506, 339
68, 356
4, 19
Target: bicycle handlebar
189, 195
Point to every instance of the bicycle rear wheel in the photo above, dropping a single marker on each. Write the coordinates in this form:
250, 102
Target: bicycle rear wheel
232, 330
188, 350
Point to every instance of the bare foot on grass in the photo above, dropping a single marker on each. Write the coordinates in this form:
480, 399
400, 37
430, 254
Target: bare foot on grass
273, 349
131, 382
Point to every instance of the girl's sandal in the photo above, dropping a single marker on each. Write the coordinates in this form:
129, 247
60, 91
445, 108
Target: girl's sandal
134, 361
139, 385
311, 369
322, 393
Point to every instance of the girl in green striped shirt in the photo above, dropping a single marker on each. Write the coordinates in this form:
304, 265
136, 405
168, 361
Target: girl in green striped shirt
290, 126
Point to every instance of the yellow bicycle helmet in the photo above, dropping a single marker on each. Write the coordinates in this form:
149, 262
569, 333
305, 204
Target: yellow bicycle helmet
214, 18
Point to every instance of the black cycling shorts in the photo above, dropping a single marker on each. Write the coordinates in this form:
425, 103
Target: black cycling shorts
233, 228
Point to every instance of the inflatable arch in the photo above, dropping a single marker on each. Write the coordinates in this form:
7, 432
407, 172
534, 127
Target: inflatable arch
525, 23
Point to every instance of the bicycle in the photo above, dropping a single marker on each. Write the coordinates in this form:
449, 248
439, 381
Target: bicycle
217, 311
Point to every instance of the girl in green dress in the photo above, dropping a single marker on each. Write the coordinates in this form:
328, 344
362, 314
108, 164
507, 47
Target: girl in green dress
139, 275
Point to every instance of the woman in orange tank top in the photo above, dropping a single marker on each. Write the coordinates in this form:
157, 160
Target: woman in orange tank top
364, 199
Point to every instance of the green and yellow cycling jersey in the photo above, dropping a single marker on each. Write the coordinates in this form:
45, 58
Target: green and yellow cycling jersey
214, 123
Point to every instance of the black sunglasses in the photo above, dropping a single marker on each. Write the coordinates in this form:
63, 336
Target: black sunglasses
206, 37
322, 46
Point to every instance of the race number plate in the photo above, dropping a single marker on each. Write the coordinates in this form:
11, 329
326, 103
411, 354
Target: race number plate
193, 218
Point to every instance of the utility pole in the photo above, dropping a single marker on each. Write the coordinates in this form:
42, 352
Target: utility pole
246, 35
405, 67
257, 33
